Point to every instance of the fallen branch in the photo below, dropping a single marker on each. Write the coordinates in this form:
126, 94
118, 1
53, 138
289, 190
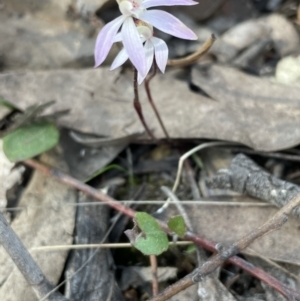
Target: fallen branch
25, 263
197, 239
246, 177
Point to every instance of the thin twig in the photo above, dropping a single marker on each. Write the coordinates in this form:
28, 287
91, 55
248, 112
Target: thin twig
246, 177
193, 58
202, 202
224, 254
70, 181
149, 95
25, 263
153, 263
137, 104
197, 239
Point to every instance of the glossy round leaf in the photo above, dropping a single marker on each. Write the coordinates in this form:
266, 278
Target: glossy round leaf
153, 240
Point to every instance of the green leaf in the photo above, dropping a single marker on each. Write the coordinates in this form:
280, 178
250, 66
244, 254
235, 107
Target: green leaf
152, 240
29, 141
177, 225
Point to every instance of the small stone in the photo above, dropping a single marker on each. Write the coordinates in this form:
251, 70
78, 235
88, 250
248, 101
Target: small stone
246, 33
283, 33
288, 70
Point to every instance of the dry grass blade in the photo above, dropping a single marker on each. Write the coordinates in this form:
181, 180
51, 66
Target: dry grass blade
180, 166
193, 58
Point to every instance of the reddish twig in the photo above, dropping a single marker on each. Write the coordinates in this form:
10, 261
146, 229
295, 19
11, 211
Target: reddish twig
149, 95
247, 266
197, 239
224, 254
64, 178
137, 104
153, 263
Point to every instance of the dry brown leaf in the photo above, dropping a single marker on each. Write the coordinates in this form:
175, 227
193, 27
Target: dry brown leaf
39, 34
37, 43
56, 9
244, 108
228, 223
247, 109
48, 220
84, 162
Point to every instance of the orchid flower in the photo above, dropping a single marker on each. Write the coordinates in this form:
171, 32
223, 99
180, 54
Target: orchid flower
152, 46
133, 10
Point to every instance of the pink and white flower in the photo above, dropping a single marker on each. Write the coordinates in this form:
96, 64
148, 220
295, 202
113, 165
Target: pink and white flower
133, 10
153, 46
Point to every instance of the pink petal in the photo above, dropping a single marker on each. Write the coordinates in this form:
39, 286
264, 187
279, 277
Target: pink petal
168, 23
105, 39
120, 59
161, 53
149, 51
133, 45
151, 3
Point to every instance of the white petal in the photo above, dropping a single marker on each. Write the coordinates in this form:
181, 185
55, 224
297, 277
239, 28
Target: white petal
118, 37
133, 45
120, 59
151, 3
161, 53
167, 23
140, 78
105, 39
149, 51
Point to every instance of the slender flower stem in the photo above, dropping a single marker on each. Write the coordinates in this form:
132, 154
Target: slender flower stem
137, 105
148, 91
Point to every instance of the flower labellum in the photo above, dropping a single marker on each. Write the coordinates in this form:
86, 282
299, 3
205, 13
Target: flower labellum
153, 46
